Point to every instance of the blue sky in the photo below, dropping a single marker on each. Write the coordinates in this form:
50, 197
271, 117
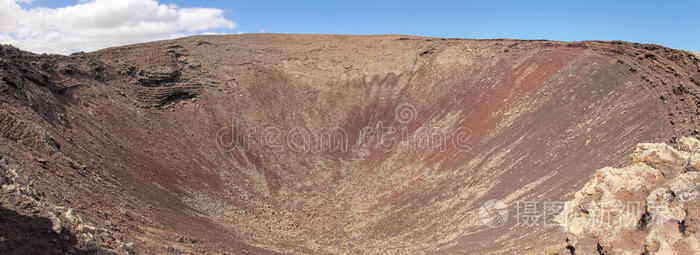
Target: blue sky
675, 24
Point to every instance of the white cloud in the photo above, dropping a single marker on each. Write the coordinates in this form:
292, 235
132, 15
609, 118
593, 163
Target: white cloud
96, 24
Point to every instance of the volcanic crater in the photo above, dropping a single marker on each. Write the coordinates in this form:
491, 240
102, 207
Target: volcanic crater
325, 144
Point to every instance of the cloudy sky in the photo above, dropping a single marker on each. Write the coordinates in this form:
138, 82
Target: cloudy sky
95, 24
65, 26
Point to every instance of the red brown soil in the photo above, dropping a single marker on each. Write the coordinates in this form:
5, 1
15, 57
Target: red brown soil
138, 140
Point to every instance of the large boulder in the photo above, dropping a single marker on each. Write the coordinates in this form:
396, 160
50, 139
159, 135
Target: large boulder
650, 206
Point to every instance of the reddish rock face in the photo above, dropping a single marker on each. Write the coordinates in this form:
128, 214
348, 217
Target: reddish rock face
326, 144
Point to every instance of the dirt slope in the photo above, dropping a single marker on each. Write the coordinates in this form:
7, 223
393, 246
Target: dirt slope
324, 143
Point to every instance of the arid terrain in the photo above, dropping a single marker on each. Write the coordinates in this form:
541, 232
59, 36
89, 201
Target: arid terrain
329, 144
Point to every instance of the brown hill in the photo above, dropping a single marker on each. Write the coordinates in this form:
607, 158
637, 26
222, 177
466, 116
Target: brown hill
323, 143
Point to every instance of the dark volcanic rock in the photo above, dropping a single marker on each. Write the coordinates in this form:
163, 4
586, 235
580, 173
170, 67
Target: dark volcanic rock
151, 79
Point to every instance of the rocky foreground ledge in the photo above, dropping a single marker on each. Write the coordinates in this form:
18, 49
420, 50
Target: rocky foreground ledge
649, 206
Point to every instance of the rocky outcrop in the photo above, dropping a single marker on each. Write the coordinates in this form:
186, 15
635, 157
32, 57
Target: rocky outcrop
159, 94
153, 79
649, 206
29, 224
160, 88
45, 82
